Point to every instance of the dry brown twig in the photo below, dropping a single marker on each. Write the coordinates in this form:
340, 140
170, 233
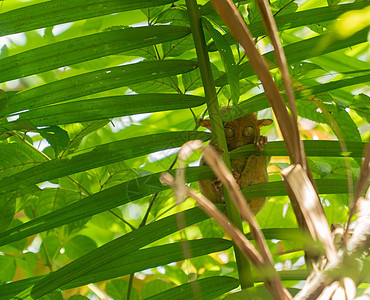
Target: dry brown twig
326, 281
362, 183
287, 123
234, 21
331, 282
272, 31
261, 260
300, 187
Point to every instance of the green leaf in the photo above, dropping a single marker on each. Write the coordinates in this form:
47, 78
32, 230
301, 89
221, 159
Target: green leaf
4, 52
78, 131
312, 148
155, 287
321, 168
210, 228
52, 13
361, 104
207, 288
69, 52
337, 84
277, 188
134, 262
227, 60
284, 7
7, 210
176, 275
299, 70
15, 157
97, 203
104, 108
333, 2
53, 296
94, 82
256, 293
28, 262
336, 208
347, 126
49, 199
78, 246
175, 16
56, 137
78, 297
177, 47
298, 19
99, 156
160, 85
149, 53
7, 270
152, 12
298, 51
280, 234
117, 289
150, 258
306, 108
50, 248
193, 80
115, 249
18, 246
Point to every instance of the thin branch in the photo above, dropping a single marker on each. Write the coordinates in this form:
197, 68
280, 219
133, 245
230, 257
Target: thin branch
300, 187
262, 260
245, 276
240, 31
347, 261
362, 183
266, 270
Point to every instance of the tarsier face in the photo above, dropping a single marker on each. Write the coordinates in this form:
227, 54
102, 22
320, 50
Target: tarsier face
241, 131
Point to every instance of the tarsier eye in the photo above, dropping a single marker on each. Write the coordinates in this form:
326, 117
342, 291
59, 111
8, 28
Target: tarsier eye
248, 131
229, 132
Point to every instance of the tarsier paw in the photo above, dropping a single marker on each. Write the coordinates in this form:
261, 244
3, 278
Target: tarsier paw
219, 151
261, 142
236, 176
216, 183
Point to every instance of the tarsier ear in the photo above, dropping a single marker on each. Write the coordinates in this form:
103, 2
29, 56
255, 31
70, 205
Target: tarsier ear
206, 123
264, 122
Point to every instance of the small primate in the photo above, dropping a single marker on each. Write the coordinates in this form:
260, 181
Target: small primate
247, 171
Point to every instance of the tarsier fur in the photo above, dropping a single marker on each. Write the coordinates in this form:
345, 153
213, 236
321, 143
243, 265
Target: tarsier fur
247, 171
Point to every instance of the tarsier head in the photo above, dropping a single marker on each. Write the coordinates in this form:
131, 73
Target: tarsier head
242, 131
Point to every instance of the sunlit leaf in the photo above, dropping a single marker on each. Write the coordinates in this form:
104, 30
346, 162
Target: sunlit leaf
208, 288
51, 13
97, 203
99, 156
104, 108
94, 82
113, 250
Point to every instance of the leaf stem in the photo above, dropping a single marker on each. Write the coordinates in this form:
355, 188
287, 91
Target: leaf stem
245, 276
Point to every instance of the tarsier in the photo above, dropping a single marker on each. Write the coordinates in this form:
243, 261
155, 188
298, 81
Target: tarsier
247, 171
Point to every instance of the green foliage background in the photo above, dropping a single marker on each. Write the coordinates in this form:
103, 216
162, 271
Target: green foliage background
93, 110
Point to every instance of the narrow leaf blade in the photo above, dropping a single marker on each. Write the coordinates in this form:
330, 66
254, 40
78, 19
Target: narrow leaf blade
95, 82
103, 108
98, 156
114, 250
57, 12
76, 50
97, 203
207, 288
